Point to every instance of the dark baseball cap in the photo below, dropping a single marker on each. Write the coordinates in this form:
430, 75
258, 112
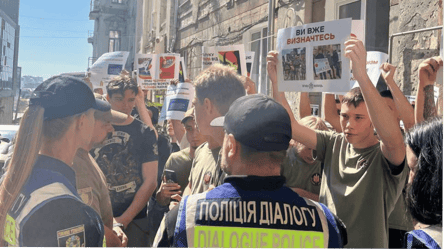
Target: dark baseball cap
64, 96
259, 122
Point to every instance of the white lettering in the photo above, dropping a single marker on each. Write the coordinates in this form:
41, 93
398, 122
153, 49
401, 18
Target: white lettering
264, 212
216, 205
298, 222
287, 206
277, 214
251, 211
238, 219
222, 210
201, 210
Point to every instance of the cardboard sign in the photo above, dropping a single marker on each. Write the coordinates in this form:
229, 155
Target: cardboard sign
249, 58
311, 57
106, 67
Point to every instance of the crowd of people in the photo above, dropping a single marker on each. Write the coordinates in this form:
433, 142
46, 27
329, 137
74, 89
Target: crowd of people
239, 170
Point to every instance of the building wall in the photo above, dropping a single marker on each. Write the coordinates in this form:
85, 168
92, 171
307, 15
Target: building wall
410, 50
6, 109
109, 16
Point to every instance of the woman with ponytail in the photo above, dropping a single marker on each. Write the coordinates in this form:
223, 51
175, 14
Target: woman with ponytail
39, 204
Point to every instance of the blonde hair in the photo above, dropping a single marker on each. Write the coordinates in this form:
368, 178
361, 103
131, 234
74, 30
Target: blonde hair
314, 122
33, 130
221, 85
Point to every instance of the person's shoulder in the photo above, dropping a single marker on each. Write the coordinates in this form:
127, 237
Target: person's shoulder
201, 147
181, 155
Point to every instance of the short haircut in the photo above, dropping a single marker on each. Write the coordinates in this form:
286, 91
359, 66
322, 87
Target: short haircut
252, 155
221, 85
353, 97
386, 94
314, 122
424, 194
120, 84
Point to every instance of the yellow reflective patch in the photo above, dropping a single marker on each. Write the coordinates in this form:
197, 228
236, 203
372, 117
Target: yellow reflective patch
210, 236
9, 233
104, 241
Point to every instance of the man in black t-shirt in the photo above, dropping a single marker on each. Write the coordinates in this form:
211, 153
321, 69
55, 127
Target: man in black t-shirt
129, 161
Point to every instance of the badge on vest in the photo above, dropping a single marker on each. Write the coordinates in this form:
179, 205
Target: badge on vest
72, 237
316, 179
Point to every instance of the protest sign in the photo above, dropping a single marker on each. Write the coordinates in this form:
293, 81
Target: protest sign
155, 71
106, 67
178, 100
374, 61
250, 61
233, 56
311, 57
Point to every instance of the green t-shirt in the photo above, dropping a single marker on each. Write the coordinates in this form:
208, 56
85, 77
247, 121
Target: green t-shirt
299, 174
203, 169
180, 162
359, 188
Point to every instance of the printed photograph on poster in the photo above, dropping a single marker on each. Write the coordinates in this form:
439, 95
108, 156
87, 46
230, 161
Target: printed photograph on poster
233, 56
311, 57
249, 59
106, 67
293, 62
169, 68
146, 70
326, 62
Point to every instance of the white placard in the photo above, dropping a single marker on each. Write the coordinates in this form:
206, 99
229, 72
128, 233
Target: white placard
178, 100
249, 59
374, 61
106, 67
301, 50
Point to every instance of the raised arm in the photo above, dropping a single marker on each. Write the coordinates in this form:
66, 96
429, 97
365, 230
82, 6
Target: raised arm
405, 109
425, 102
300, 133
304, 105
392, 143
143, 111
330, 111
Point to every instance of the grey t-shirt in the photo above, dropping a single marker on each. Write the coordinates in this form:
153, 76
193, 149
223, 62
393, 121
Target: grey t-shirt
299, 174
359, 188
203, 169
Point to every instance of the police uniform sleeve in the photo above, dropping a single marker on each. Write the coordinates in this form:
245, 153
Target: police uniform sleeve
63, 222
150, 146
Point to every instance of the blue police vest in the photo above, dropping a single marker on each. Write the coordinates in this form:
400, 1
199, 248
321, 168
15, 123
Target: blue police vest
254, 212
430, 237
49, 212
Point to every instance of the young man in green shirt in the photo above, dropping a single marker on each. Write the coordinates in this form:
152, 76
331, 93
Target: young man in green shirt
363, 177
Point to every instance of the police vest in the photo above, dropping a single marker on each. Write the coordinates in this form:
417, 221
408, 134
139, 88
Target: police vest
429, 237
49, 212
254, 212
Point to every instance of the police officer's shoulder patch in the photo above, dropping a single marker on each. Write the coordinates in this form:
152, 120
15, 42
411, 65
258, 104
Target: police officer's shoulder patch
72, 237
207, 177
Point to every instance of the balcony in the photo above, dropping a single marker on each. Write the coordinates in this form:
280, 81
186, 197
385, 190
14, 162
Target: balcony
90, 36
94, 9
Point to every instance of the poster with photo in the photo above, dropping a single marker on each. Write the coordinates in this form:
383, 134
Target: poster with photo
106, 67
146, 70
249, 59
311, 57
155, 71
233, 56
178, 99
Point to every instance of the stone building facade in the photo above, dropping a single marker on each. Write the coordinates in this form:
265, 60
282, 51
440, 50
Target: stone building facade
9, 46
185, 26
114, 28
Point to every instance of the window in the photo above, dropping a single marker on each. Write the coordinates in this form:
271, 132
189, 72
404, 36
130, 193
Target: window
114, 41
375, 14
117, 1
256, 41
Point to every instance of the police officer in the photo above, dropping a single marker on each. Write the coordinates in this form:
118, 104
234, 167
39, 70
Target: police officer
252, 208
39, 204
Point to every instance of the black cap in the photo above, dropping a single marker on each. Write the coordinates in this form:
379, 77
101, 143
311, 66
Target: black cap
64, 96
259, 122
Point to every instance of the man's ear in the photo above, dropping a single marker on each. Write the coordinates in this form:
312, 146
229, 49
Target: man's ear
233, 147
208, 105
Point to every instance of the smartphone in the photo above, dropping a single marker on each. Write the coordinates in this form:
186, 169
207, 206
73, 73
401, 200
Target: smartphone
170, 176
